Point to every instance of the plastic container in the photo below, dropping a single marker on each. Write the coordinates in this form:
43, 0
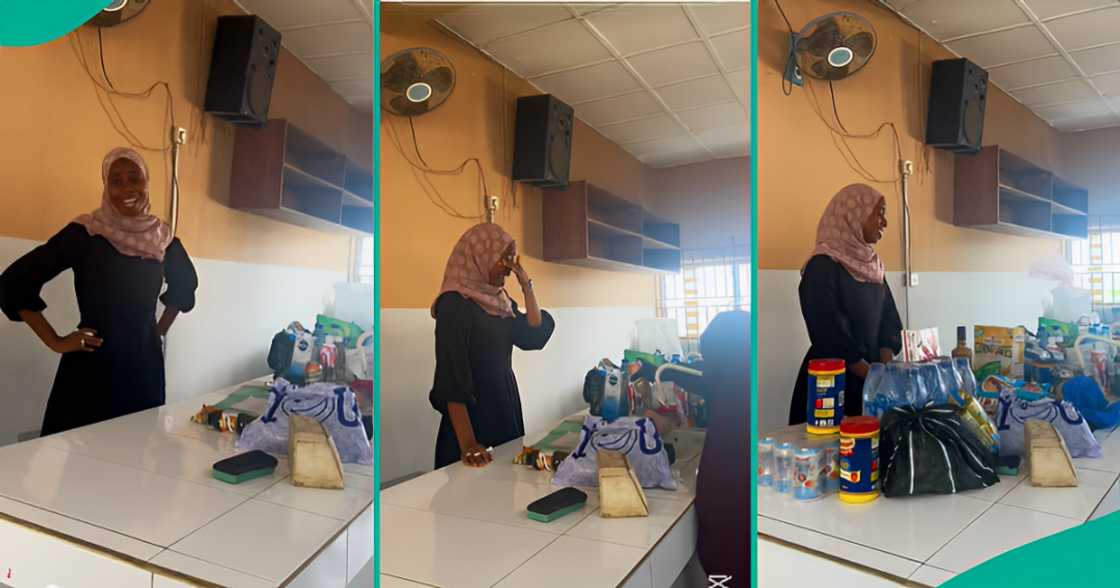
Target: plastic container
766, 462
825, 407
830, 468
859, 459
783, 467
807, 473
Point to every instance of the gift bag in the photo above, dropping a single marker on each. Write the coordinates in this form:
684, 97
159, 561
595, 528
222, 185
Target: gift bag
636, 438
1069, 423
931, 451
334, 406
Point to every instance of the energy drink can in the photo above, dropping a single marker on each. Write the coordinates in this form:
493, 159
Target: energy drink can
766, 462
807, 473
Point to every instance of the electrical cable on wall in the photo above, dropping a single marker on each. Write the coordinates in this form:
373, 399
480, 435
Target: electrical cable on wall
421, 169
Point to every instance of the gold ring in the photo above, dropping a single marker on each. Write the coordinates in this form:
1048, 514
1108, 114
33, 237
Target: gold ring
83, 342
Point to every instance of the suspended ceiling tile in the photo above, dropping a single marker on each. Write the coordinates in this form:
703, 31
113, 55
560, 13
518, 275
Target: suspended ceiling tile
1087, 123
1099, 60
353, 89
484, 23
724, 138
1045, 9
1031, 73
585, 9
1087, 29
589, 83
665, 66
714, 117
901, 5
686, 144
740, 84
1108, 83
725, 16
675, 160
657, 127
1008, 46
1093, 107
283, 14
329, 40
945, 19
619, 108
640, 27
556, 47
694, 93
364, 104
1055, 94
733, 49
343, 67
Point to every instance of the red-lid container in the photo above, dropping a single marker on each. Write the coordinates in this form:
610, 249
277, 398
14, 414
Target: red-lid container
859, 425
826, 365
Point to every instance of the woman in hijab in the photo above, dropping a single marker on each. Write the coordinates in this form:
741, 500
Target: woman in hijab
477, 326
848, 308
121, 256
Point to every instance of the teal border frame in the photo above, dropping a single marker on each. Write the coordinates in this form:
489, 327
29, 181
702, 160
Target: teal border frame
30, 23
376, 292
753, 211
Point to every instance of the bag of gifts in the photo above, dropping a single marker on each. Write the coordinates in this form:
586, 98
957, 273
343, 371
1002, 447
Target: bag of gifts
1015, 411
931, 451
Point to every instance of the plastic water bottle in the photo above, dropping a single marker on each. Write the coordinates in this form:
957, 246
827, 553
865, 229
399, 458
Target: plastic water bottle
872, 400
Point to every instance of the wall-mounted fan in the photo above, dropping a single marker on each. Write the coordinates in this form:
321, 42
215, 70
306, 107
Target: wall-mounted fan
831, 47
415, 81
117, 12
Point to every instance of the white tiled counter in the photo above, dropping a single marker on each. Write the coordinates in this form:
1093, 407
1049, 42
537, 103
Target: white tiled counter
929, 539
131, 502
467, 527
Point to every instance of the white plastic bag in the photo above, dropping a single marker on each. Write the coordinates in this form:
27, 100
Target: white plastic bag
1070, 304
635, 437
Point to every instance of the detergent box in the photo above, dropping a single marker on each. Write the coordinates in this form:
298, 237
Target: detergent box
999, 351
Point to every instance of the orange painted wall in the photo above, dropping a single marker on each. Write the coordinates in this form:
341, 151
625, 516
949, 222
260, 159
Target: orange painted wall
711, 201
477, 122
800, 168
1093, 157
55, 134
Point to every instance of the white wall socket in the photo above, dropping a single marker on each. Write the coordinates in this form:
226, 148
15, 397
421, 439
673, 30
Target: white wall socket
913, 280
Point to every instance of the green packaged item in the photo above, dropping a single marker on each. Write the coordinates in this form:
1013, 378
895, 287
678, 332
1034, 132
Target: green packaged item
1049, 328
327, 326
632, 355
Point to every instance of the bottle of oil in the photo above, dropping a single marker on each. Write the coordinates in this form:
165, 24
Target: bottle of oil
962, 349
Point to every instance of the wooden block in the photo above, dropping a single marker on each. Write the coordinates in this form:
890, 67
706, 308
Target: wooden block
1049, 459
620, 493
314, 458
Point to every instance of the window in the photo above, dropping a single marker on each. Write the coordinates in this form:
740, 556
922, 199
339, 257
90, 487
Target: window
361, 270
710, 282
1096, 261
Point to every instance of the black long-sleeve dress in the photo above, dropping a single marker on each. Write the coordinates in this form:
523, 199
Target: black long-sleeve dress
474, 366
846, 319
117, 298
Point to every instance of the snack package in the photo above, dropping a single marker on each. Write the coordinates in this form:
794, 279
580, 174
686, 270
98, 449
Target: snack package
999, 351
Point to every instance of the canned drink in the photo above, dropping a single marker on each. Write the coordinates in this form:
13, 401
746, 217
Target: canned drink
766, 462
807, 473
830, 467
783, 467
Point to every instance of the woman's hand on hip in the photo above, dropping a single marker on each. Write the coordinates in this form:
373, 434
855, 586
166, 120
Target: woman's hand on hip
860, 369
82, 340
476, 456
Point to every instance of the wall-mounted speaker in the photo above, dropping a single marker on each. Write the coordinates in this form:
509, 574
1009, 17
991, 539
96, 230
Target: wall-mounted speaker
542, 142
958, 95
242, 70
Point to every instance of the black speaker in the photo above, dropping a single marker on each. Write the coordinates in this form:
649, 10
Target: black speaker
242, 69
957, 95
542, 141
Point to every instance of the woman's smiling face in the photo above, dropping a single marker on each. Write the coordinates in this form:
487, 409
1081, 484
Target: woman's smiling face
127, 187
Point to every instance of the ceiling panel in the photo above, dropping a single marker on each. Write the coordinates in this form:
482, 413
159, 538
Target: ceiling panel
287, 14
946, 19
1032, 73
489, 22
637, 28
635, 73
1062, 63
1003, 47
553, 48
589, 83
619, 108
1087, 29
701, 92
1051, 8
343, 67
719, 18
665, 66
1099, 60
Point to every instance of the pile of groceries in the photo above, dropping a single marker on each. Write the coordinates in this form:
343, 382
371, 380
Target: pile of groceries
940, 425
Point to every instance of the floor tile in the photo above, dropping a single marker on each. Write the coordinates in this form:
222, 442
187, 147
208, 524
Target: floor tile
642, 532
599, 564
931, 576
999, 530
202, 570
1075, 503
344, 504
846, 550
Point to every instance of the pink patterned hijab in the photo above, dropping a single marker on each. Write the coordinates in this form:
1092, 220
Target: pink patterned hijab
145, 235
468, 269
840, 233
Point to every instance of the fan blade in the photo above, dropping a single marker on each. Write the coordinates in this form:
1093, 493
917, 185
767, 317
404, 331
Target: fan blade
404, 107
401, 74
861, 43
823, 40
440, 79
